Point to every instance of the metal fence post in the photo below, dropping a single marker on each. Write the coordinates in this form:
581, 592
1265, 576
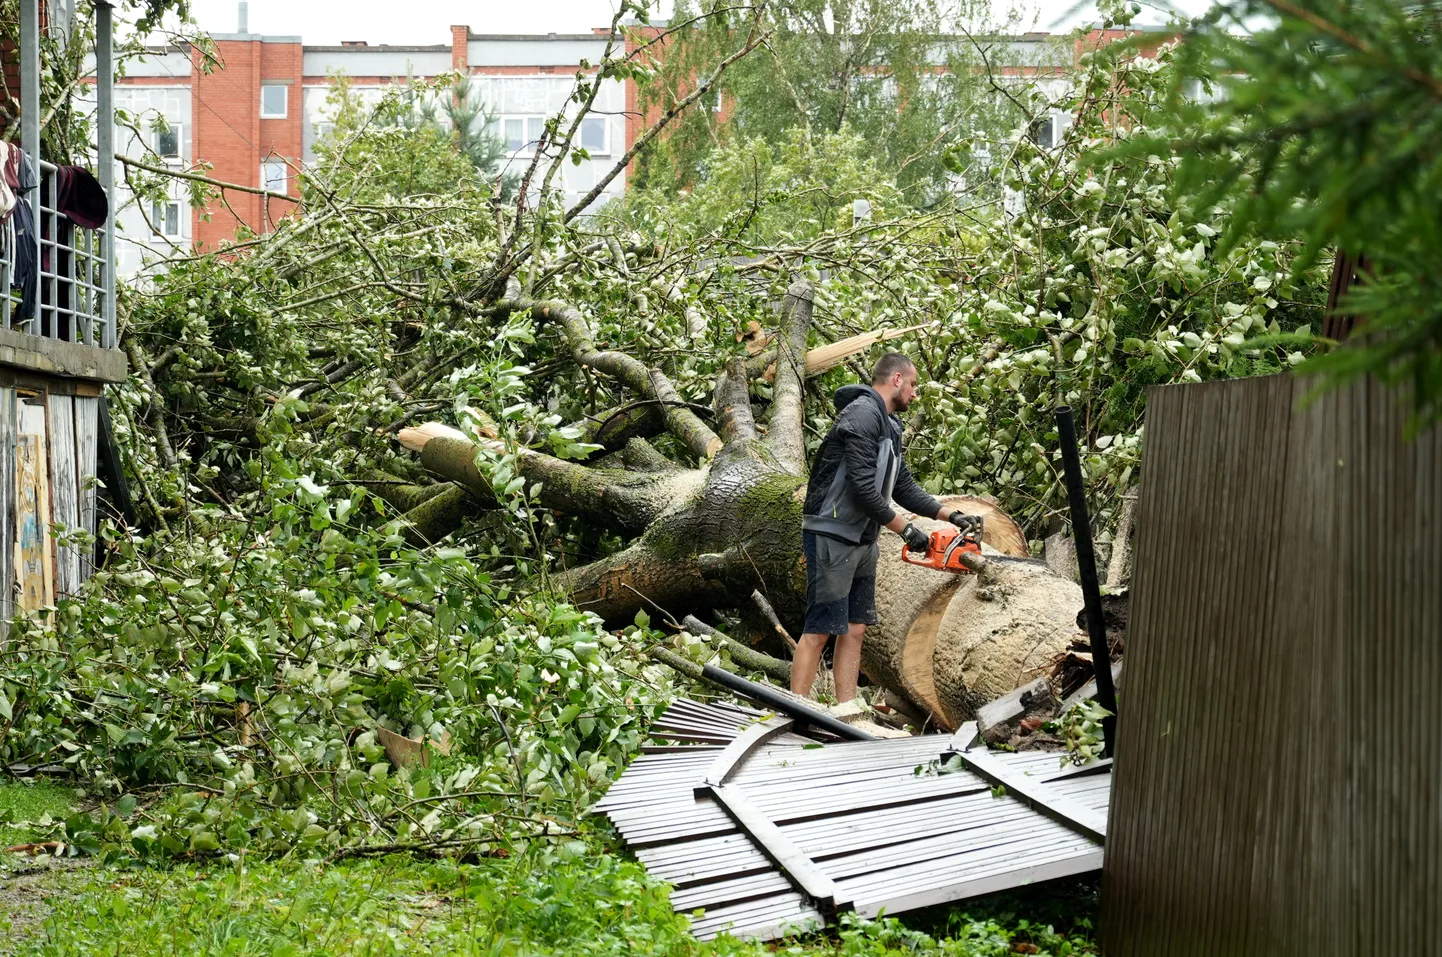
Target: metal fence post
30, 124
105, 161
1087, 565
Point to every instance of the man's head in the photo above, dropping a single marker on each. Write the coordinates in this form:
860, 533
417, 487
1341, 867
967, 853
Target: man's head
894, 377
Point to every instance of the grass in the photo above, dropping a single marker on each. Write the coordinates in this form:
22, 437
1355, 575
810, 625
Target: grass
22, 801
538, 902
584, 899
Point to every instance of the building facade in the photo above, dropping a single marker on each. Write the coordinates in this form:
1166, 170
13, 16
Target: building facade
255, 113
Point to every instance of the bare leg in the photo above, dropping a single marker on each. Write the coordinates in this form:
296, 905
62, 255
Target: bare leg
846, 665
804, 661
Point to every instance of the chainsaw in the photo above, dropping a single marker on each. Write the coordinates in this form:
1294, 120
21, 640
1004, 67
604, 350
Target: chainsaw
945, 549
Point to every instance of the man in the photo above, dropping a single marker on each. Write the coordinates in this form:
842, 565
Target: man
857, 472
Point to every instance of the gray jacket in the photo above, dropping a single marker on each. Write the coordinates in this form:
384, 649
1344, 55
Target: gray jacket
858, 471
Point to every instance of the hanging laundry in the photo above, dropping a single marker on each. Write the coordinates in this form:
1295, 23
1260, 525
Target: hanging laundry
19, 172
80, 196
19, 176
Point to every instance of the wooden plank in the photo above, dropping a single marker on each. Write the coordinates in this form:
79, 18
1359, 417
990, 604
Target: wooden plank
1062, 809
64, 492
87, 434
734, 754
34, 565
995, 719
802, 870
7, 509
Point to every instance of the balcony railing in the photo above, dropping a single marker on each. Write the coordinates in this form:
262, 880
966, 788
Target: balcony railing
71, 297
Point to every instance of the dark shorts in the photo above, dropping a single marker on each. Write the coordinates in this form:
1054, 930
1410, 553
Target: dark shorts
840, 584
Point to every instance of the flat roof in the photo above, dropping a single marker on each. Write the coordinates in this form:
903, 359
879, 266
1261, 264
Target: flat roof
380, 48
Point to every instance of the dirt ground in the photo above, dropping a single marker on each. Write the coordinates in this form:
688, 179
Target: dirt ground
26, 886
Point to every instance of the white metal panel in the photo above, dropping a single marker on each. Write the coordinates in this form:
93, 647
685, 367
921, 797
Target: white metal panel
170, 105
168, 63
535, 51
377, 61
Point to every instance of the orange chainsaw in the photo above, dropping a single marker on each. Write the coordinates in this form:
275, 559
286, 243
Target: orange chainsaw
944, 550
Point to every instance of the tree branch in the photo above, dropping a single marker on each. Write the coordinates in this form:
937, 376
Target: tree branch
632, 373
624, 501
786, 438
756, 37
733, 404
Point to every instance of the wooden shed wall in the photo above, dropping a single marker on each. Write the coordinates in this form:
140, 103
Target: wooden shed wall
48, 443
1278, 779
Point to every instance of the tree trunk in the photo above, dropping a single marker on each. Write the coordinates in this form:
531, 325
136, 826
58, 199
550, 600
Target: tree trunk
707, 537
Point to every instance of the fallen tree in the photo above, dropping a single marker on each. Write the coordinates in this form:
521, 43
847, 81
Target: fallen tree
709, 535
624, 398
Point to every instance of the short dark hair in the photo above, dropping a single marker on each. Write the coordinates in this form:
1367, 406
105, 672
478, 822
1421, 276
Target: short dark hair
889, 365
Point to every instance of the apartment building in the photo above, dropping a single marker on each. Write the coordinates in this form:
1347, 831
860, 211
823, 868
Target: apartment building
257, 114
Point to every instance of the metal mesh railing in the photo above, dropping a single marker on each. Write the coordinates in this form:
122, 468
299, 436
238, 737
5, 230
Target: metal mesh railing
69, 300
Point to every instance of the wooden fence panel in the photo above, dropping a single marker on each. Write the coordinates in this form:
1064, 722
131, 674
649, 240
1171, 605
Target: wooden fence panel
87, 433
1278, 779
64, 492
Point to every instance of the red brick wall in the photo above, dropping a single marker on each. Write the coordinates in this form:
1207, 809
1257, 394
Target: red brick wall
230, 135
281, 139
460, 51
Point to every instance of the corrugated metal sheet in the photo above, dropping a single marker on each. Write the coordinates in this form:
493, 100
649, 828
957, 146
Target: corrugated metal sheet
1279, 760
766, 832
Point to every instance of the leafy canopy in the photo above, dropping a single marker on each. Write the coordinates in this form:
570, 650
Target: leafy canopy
1329, 128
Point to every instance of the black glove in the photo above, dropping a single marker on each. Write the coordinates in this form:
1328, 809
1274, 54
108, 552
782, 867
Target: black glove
969, 524
916, 540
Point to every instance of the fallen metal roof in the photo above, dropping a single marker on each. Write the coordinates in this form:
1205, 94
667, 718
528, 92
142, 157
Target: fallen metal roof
767, 832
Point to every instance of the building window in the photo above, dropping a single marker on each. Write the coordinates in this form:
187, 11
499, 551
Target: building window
1048, 131
1043, 132
273, 176
167, 142
272, 101
322, 130
593, 135
165, 218
520, 133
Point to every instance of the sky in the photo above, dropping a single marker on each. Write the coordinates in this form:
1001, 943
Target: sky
328, 22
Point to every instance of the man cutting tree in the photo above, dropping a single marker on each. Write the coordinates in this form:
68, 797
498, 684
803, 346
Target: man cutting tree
857, 472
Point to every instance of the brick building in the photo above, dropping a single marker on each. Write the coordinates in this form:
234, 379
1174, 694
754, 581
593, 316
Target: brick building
256, 116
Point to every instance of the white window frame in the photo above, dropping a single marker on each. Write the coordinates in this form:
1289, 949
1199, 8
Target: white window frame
527, 145
1053, 136
158, 209
285, 110
605, 148
284, 176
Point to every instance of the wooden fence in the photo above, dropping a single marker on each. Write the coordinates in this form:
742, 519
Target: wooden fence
1278, 779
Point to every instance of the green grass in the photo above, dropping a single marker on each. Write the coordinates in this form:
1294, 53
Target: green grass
534, 903
22, 801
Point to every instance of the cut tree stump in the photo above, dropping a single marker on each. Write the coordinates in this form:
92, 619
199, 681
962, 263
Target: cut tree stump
950, 643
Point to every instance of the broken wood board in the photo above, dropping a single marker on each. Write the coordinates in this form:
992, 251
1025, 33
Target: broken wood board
407, 752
